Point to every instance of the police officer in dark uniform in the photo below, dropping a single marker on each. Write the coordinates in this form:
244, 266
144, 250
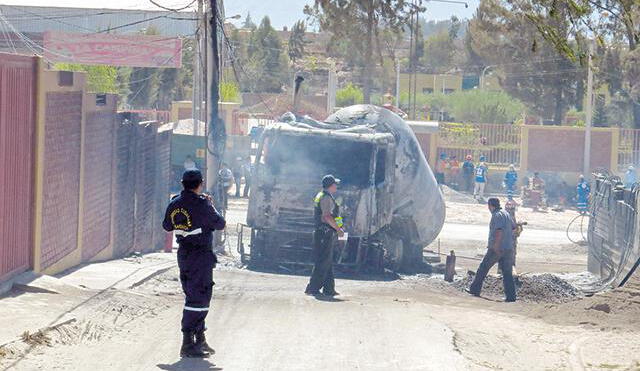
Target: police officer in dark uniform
328, 227
192, 217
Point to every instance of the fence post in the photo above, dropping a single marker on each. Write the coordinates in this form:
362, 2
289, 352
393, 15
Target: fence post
433, 148
615, 148
524, 150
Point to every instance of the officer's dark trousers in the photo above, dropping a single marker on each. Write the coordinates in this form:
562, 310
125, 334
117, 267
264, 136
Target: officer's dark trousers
196, 276
324, 239
505, 260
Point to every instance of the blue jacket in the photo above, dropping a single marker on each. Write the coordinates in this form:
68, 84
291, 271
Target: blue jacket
511, 178
193, 219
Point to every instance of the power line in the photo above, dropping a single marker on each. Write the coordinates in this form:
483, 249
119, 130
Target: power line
173, 9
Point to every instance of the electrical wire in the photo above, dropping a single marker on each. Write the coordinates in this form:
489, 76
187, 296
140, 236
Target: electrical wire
175, 10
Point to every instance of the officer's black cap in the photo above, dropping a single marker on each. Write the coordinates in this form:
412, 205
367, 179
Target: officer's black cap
193, 175
329, 180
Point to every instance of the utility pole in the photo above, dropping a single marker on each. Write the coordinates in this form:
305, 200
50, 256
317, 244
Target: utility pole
215, 129
196, 99
397, 82
331, 89
589, 108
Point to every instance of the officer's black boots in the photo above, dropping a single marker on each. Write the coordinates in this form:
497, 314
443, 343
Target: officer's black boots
189, 348
201, 342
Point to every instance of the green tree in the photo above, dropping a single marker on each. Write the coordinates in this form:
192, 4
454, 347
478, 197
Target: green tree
360, 21
229, 92
297, 41
266, 62
529, 69
349, 95
483, 107
248, 22
611, 23
100, 78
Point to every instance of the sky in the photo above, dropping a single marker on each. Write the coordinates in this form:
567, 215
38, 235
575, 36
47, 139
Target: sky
281, 12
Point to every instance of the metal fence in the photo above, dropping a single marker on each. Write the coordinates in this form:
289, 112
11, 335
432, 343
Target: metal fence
613, 249
499, 143
628, 148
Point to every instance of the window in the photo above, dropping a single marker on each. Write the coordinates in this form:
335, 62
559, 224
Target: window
65, 78
427, 91
101, 99
308, 158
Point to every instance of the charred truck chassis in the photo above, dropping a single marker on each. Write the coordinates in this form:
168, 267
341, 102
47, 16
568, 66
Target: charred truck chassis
388, 197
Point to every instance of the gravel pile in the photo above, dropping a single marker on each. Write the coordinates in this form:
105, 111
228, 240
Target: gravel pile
538, 288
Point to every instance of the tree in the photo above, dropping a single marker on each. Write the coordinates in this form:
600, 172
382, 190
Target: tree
100, 78
529, 69
297, 41
248, 22
439, 51
360, 21
266, 63
611, 23
349, 95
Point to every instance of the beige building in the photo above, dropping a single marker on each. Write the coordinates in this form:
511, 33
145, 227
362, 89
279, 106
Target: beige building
447, 83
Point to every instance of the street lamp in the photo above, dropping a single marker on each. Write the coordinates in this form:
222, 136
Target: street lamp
484, 71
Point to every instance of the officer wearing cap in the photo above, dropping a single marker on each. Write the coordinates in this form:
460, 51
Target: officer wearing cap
192, 218
328, 227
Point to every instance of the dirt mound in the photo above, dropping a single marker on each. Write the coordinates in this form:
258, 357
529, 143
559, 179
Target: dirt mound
451, 195
536, 288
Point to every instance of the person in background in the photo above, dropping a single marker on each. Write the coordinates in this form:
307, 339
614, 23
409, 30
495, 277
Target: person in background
237, 175
499, 250
511, 206
630, 177
511, 180
246, 171
480, 179
225, 180
467, 173
189, 164
454, 172
582, 193
441, 166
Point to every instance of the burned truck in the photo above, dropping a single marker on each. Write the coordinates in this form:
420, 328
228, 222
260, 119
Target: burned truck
390, 202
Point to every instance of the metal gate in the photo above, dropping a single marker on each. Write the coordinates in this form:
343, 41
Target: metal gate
17, 123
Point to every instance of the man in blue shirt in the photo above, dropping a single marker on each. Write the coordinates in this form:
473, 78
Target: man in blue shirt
510, 180
582, 193
481, 179
499, 250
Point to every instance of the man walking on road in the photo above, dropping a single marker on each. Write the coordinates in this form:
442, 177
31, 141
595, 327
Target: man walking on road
328, 227
192, 217
500, 250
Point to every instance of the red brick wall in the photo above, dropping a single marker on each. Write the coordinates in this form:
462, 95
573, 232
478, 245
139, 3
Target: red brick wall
61, 183
98, 155
17, 123
563, 150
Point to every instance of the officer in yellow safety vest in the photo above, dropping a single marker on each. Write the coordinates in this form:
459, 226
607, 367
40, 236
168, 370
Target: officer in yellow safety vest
328, 227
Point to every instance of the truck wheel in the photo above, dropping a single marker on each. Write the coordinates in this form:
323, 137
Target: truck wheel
393, 251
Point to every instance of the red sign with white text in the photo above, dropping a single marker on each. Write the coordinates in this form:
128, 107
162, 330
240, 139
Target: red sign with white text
114, 50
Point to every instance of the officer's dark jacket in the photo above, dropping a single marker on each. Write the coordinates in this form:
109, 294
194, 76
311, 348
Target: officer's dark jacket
193, 219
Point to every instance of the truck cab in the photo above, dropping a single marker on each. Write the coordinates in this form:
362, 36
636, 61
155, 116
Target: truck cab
289, 166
